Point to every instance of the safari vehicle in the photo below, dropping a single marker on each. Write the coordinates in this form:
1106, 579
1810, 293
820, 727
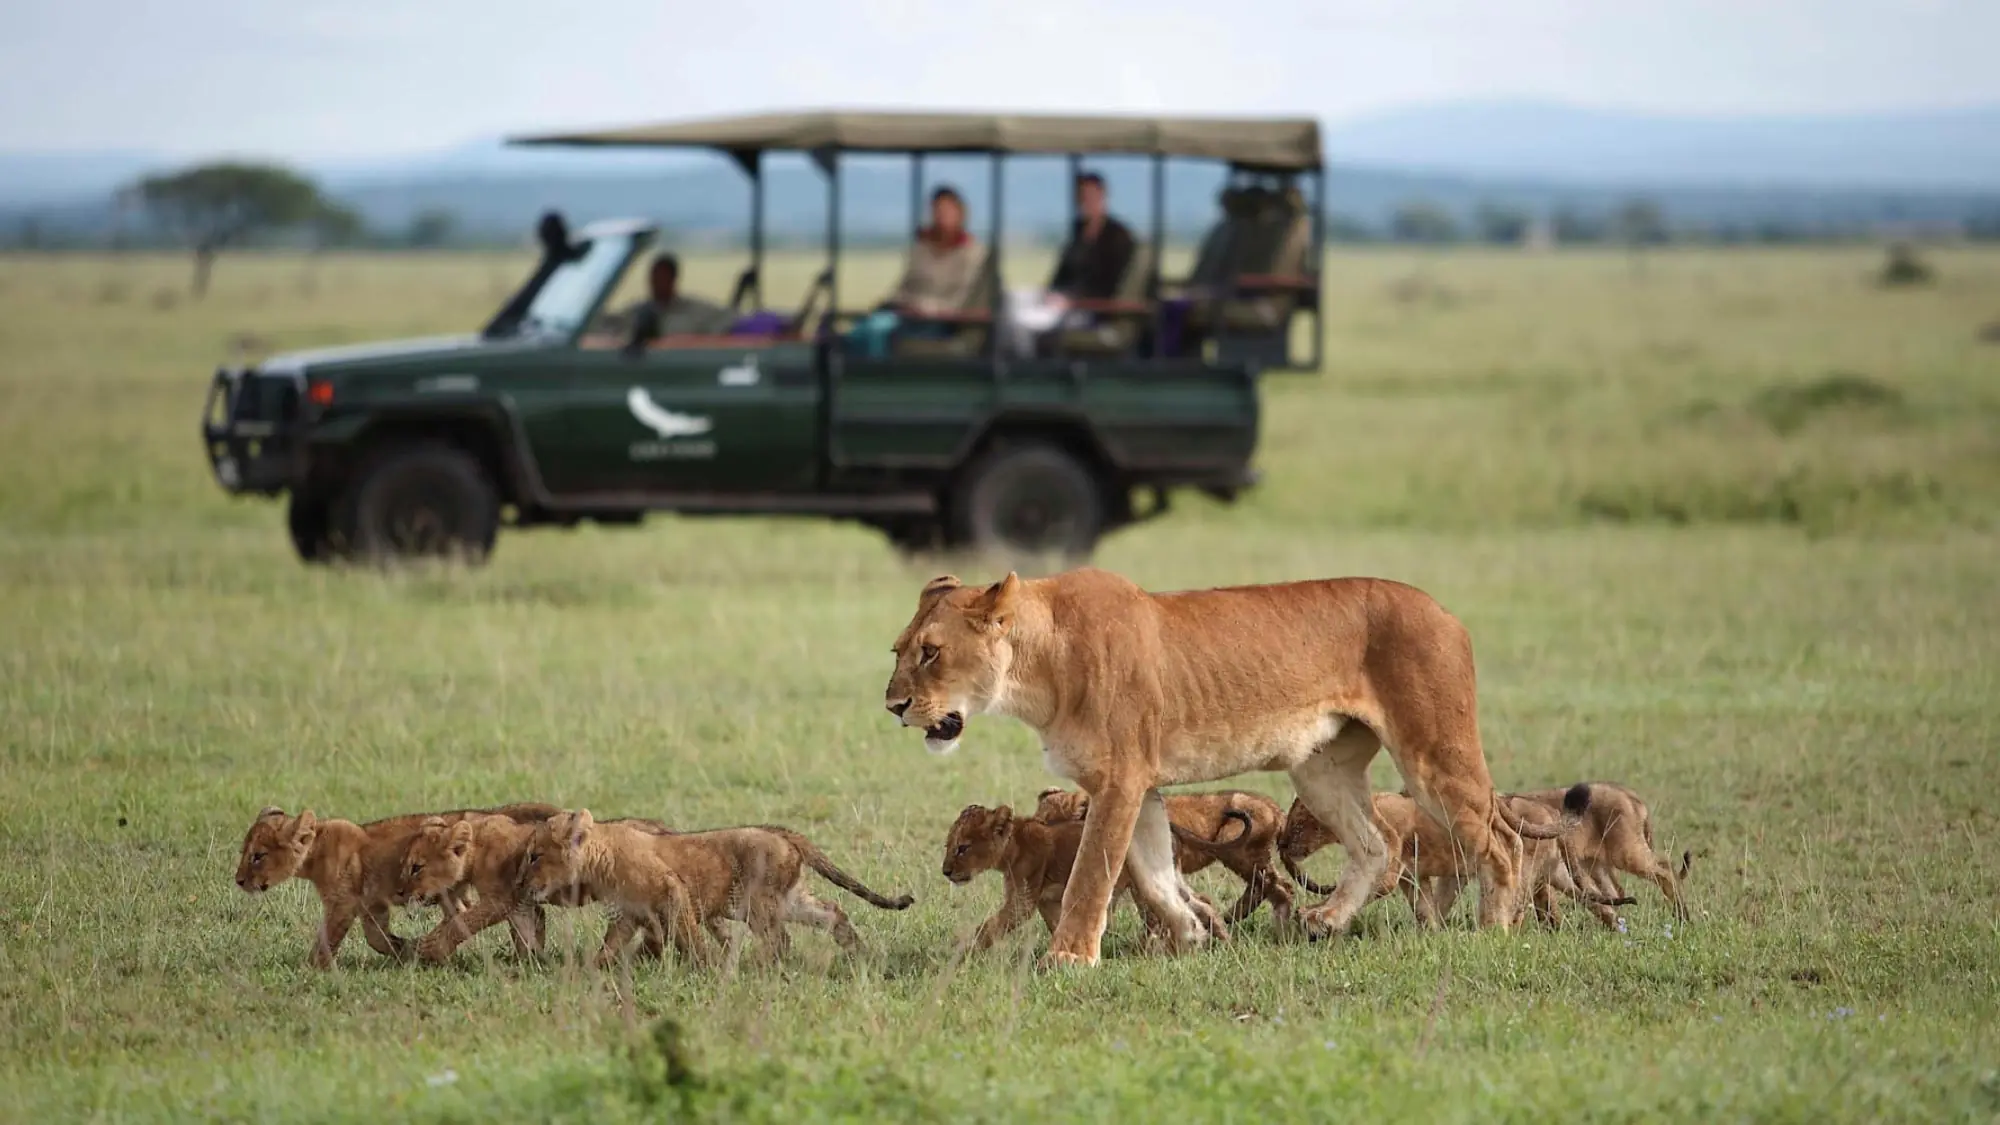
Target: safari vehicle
425, 447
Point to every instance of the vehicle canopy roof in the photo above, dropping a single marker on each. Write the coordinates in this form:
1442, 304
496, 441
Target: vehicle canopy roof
1277, 144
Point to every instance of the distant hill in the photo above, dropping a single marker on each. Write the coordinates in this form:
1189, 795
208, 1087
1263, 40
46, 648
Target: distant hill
1817, 174
1955, 149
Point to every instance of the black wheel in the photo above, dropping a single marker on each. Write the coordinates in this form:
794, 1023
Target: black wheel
1028, 499
309, 518
422, 501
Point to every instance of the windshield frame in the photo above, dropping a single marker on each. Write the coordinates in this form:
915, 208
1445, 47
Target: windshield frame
601, 254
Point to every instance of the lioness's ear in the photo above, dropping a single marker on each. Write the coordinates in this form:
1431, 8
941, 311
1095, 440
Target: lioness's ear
939, 585
997, 604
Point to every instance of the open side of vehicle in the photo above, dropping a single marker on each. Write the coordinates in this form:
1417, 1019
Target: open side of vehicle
940, 439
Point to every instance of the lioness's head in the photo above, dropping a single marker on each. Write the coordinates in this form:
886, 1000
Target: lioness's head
1060, 806
976, 840
554, 863
274, 849
952, 658
436, 860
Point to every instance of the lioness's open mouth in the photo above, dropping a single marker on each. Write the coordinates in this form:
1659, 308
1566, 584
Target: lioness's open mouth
948, 728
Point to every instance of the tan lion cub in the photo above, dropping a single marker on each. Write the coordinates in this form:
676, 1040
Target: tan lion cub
356, 868
485, 854
1616, 835
1429, 869
1034, 859
1247, 852
683, 887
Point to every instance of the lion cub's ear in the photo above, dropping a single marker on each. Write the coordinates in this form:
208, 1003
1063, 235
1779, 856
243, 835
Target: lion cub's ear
432, 822
997, 604
580, 826
271, 812
461, 837
305, 828
1003, 821
1047, 793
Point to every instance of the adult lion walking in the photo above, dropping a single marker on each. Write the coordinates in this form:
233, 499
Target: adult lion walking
1131, 690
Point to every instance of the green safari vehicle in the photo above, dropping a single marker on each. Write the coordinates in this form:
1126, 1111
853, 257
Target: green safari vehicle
943, 440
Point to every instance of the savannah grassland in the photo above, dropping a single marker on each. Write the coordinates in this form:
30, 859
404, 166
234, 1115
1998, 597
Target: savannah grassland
1725, 526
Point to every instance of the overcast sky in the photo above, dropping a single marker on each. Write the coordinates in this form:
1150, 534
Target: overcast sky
321, 78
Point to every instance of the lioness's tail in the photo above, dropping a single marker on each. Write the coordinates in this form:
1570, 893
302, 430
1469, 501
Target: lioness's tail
1207, 846
817, 860
1575, 803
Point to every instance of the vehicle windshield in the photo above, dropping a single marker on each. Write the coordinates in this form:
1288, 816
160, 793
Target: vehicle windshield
565, 299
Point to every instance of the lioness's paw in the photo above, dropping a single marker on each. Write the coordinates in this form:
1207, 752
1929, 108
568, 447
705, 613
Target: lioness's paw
1064, 959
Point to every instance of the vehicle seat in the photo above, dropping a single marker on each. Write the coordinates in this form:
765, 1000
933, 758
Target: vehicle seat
1122, 320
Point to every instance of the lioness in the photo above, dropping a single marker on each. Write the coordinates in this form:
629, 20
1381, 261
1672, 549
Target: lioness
683, 887
1209, 816
356, 868
1430, 871
1130, 691
485, 854
1034, 859
1617, 835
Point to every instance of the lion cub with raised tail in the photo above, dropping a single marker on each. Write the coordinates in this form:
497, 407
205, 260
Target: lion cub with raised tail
486, 854
1430, 869
1034, 859
683, 887
356, 868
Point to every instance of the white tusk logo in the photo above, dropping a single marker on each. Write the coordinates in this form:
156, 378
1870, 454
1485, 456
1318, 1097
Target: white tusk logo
660, 420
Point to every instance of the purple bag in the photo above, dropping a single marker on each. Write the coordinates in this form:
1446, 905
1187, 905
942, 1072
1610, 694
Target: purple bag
1173, 321
763, 322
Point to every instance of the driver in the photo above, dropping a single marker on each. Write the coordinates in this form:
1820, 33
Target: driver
678, 314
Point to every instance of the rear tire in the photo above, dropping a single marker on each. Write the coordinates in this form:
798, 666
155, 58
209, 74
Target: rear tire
421, 501
1030, 499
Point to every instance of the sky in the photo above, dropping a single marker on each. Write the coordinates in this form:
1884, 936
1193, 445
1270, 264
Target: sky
322, 79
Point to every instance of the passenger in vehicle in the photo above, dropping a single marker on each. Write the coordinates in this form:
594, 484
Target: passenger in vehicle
944, 261
939, 278
672, 312
1090, 268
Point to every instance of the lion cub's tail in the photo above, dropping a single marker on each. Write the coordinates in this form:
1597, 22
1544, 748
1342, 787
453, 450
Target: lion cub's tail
1576, 802
1303, 880
816, 859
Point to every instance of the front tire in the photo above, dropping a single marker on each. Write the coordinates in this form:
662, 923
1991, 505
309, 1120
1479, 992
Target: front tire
1030, 499
309, 520
422, 501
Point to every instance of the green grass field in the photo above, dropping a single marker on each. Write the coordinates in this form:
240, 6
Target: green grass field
1725, 527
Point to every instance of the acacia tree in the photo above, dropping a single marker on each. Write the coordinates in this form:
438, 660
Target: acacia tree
217, 205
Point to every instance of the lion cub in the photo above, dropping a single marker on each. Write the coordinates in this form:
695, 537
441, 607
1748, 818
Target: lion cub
356, 868
1425, 864
1034, 860
485, 853
1616, 835
683, 887
1207, 815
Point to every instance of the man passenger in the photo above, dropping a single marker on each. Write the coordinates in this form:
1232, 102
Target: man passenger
1091, 267
675, 313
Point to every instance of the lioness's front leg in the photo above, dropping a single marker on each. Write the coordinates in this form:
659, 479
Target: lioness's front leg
1100, 856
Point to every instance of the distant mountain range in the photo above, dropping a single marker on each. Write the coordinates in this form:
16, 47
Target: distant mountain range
1819, 173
